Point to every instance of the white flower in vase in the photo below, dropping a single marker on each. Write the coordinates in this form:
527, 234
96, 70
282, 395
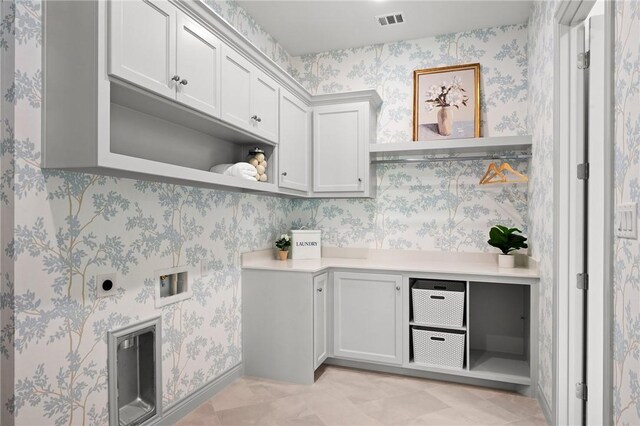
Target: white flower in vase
455, 98
449, 94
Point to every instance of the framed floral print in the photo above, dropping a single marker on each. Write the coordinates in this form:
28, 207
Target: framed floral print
446, 102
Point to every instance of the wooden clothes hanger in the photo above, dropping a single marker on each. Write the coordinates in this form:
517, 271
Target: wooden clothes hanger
495, 174
492, 173
519, 176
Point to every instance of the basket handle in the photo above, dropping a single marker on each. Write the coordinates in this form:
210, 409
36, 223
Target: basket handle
438, 297
439, 339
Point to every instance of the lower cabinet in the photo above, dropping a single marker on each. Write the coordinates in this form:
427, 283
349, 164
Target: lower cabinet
292, 322
285, 317
320, 319
278, 326
367, 317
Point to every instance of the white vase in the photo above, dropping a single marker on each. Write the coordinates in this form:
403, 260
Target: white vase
506, 261
445, 121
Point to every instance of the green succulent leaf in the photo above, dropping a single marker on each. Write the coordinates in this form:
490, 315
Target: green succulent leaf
506, 239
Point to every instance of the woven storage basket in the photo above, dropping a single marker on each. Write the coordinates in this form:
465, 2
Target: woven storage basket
438, 347
439, 303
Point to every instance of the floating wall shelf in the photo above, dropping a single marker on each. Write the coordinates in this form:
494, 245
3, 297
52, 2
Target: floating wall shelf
491, 146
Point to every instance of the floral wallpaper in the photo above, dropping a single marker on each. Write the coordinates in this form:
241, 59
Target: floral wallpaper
434, 205
71, 226
541, 208
7, 41
428, 206
626, 332
501, 51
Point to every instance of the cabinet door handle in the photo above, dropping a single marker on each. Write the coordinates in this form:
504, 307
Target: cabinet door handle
175, 78
359, 179
398, 287
284, 173
320, 290
184, 82
254, 117
258, 119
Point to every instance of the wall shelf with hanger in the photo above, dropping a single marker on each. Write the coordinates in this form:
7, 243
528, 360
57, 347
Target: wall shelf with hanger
495, 147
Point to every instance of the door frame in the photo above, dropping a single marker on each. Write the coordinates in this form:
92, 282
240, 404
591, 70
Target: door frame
566, 405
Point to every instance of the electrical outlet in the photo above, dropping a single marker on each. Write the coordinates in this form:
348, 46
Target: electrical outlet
106, 285
627, 221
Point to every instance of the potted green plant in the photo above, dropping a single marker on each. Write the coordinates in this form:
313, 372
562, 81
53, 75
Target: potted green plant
283, 243
507, 240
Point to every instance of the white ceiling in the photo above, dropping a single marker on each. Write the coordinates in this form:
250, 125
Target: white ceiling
310, 26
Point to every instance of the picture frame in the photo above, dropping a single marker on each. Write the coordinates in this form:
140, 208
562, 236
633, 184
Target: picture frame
446, 102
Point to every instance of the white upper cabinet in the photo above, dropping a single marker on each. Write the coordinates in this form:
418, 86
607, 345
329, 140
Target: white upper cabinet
236, 88
294, 147
340, 138
265, 106
171, 54
142, 40
198, 66
249, 97
114, 69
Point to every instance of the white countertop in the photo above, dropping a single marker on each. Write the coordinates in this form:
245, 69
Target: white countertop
474, 264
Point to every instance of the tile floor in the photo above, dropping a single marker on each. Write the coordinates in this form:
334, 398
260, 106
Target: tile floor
342, 396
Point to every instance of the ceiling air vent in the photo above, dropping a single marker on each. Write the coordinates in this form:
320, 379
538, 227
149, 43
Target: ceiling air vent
390, 19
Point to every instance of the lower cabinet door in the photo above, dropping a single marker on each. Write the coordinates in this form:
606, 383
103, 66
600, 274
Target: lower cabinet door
320, 318
368, 317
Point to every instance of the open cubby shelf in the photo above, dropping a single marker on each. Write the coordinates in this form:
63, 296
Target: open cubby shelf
497, 328
499, 363
153, 137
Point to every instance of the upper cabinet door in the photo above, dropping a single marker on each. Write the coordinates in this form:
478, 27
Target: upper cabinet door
142, 41
198, 65
265, 106
339, 148
293, 151
236, 89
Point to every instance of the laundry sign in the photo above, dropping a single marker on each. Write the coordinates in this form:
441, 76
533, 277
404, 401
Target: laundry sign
305, 244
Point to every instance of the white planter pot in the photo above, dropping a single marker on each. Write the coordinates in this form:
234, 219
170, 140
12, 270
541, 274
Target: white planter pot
506, 261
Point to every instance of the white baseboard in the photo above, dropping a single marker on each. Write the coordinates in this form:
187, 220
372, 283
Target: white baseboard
546, 408
196, 398
384, 368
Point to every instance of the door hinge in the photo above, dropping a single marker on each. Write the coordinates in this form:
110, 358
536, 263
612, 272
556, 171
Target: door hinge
583, 171
583, 60
582, 281
581, 391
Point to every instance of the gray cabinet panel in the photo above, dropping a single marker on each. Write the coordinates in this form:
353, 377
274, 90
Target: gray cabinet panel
320, 319
368, 317
277, 325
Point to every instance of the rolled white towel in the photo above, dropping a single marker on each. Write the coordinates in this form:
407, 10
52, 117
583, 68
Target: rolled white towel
220, 168
243, 170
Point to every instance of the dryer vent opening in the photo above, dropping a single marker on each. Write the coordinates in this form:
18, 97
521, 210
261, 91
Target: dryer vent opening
135, 385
